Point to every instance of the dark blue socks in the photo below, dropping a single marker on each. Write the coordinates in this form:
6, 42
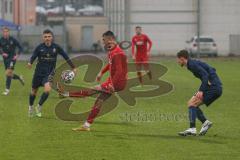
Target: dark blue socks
43, 98
15, 76
31, 99
192, 113
200, 115
8, 82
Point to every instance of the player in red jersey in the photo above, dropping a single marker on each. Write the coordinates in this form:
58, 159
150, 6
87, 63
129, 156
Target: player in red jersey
143, 46
117, 67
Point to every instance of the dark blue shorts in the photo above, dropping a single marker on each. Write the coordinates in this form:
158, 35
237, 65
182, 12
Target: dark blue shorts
39, 81
211, 94
9, 64
41, 77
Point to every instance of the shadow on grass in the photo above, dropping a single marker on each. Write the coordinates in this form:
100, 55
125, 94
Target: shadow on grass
45, 117
115, 123
129, 136
108, 133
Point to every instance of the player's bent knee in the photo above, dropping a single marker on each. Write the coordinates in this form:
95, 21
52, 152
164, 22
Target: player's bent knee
9, 72
192, 103
47, 87
195, 103
34, 92
198, 103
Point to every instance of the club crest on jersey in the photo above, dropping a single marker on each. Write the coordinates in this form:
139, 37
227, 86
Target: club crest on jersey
54, 50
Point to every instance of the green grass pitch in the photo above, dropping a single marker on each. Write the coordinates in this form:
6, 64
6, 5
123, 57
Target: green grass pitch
115, 137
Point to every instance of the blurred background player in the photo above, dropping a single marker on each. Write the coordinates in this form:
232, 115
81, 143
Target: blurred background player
209, 91
8, 46
143, 47
117, 67
46, 53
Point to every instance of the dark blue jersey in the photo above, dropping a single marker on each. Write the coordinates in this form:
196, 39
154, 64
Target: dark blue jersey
205, 73
9, 46
47, 58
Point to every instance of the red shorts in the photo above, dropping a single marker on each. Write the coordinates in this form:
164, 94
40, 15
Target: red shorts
141, 59
107, 86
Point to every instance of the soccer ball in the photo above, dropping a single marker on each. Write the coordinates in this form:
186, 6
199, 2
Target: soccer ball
67, 76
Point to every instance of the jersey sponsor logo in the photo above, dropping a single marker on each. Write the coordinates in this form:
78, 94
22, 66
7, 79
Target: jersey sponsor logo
139, 43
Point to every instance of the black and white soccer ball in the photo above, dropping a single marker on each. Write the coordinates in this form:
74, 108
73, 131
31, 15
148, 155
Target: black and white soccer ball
67, 76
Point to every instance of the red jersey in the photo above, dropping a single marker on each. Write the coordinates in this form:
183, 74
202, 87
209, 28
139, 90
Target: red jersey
141, 42
117, 66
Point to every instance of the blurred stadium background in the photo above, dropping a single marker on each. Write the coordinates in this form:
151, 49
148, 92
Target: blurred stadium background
169, 23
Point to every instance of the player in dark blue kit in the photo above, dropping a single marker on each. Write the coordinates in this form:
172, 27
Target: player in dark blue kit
8, 46
209, 91
46, 53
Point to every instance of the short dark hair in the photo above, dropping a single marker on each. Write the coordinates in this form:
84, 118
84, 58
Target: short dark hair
48, 31
138, 27
5, 28
183, 53
109, 33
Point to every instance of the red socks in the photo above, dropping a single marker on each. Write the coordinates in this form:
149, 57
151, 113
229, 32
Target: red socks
80, 94
94, 112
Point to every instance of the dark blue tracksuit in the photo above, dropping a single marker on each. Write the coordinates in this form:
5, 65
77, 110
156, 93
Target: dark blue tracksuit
47, 58
8, 46
211, 85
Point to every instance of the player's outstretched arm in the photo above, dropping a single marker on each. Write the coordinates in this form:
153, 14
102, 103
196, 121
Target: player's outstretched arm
5, 55
20, 48
133, 48
29, 65
101, 73
149, 44
66, 57
32, 58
